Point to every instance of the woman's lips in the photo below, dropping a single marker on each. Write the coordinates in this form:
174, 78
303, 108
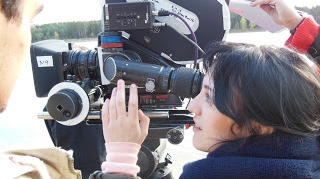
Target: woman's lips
196, 128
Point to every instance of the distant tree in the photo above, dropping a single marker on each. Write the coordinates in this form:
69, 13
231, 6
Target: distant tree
66, 30
236, 26
235, 20
243, 23
56, 35
252, 25
314, 11
36, 36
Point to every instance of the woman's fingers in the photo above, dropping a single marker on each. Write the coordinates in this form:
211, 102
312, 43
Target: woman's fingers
105, 113
144, 123
112, 106
260, 2
133, 103
121, 100
268, 9
105, 119
120, 125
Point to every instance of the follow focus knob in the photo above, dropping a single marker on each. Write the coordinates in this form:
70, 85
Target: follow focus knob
64, 105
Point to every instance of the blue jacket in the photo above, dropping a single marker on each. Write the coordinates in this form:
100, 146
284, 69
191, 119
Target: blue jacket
267, 156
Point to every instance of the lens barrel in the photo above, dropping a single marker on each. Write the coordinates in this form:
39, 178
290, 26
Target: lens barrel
182, 81
84, 64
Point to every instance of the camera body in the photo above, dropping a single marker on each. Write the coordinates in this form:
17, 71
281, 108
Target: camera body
135, 45
164, 77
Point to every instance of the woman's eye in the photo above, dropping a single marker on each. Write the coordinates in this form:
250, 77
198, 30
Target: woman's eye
208, 98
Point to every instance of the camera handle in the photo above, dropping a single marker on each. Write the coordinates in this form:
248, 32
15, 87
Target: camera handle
151, 162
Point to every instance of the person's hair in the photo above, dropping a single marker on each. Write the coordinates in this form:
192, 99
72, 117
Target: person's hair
10, 9
273, 86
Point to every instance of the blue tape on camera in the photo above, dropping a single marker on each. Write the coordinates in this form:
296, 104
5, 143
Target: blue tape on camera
111, 39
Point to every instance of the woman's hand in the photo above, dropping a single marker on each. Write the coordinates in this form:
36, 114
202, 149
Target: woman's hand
120, 125
281, 12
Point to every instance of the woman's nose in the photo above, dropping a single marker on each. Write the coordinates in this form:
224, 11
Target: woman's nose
194, 106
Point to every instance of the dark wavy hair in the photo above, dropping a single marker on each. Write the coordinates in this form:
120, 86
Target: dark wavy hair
10, 9
271, 85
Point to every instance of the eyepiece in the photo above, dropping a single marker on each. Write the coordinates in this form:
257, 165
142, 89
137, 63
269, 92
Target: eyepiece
186, 82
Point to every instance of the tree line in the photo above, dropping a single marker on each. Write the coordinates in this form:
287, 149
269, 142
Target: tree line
66, 30
90, 29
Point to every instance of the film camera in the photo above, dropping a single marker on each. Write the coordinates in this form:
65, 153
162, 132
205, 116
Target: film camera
154, 44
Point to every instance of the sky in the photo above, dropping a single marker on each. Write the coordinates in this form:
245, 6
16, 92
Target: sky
68, 10
85, 10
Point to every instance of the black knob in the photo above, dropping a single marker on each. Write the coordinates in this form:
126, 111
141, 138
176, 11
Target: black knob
175, 135
64, 105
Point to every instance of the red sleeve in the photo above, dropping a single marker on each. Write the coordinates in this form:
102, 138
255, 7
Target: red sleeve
304, 36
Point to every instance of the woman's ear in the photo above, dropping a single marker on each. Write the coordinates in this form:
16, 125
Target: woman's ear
261, 129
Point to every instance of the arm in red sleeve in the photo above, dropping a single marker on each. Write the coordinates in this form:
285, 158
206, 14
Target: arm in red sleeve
305, 36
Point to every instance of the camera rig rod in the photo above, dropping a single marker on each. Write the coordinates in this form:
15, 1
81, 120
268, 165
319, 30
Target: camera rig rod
157, 117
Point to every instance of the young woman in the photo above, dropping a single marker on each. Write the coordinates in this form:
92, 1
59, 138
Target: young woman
257, 116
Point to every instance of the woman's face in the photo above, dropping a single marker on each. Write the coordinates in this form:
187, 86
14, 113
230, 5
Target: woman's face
211, 126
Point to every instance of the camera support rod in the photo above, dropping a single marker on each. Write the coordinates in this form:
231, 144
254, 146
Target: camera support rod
158, 117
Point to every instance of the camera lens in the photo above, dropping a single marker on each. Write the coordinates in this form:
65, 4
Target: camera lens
84, 64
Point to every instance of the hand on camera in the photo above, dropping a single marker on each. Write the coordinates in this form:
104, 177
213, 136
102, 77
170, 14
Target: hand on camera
281, 12
120, 125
